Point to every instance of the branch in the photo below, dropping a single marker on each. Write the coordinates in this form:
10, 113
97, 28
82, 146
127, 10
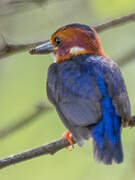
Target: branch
49, 148
10, 48
115, 22
40, 109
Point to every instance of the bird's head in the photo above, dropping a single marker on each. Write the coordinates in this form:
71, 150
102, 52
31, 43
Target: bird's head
71, 40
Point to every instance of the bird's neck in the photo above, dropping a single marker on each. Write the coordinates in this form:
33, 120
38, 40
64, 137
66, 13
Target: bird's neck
59, 58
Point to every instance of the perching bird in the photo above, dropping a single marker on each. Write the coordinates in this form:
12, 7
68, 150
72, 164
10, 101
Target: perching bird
87, 89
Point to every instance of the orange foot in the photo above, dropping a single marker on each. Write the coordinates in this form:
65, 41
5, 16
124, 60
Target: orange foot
67, 135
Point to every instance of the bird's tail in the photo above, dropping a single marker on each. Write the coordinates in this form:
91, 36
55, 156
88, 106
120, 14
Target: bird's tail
107, 153
107, 148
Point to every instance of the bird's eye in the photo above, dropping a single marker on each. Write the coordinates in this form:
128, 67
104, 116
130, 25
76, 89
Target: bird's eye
57, 41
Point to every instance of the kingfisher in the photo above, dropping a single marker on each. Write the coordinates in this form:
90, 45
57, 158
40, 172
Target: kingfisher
87, 89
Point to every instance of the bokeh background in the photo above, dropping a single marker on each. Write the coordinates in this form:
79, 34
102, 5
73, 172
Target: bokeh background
23, 79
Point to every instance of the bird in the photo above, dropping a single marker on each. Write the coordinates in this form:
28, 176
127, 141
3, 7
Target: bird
87, 90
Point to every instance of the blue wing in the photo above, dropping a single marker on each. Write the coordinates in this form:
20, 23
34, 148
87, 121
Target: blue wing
116, 87
76, 93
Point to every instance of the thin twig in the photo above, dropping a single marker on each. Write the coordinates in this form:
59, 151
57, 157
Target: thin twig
11, 48
115, 22
40, 109
49, 148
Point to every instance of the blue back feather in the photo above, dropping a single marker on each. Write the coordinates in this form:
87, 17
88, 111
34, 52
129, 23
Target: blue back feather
106, 134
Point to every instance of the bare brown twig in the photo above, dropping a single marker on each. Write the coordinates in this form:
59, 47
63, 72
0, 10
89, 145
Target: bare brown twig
11, 48
50, 148
115, 22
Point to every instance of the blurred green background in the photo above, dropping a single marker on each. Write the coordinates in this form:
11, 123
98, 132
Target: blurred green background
23, 79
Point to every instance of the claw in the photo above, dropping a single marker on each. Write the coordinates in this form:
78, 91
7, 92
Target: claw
67, 135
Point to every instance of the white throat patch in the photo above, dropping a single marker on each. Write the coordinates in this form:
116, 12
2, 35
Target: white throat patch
54, 57
76, 49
